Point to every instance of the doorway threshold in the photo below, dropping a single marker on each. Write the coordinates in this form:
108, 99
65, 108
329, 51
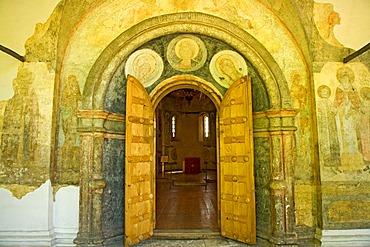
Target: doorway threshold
186, 233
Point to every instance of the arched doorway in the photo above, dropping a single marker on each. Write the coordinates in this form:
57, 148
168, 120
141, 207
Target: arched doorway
186, 180
103, 122
236, 198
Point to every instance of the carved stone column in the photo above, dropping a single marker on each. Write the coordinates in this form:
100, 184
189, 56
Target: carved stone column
94, 127
92, 183
281, 184
280, 126
91, 190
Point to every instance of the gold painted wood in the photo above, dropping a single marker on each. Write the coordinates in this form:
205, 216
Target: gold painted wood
238, 216
139, 167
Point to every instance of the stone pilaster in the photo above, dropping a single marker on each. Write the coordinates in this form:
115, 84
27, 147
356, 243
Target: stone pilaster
94, 126
91, 190
281, 185
279, 126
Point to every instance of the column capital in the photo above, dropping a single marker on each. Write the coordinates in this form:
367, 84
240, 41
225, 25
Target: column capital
101, 121
275, 120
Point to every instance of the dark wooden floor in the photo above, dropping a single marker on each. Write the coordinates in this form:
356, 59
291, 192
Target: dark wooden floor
188, 202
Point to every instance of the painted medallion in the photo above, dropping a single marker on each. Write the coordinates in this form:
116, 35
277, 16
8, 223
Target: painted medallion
145, 65
186, 53
227, 66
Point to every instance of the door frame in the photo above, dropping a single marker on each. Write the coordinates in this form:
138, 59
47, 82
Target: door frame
197, 83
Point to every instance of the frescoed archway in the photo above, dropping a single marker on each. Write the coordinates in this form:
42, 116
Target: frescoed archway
102, 126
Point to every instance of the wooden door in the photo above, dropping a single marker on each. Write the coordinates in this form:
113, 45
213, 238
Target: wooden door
238, 217
139, 167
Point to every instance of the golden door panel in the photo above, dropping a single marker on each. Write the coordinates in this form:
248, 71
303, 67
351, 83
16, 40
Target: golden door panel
139, 169
236, 164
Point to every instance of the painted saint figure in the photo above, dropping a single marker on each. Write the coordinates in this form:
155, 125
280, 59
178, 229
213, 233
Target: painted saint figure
186, 49
365, 123
227, 67
145, 65
327, 128
347, 102
69, 106
21, 116
186, 53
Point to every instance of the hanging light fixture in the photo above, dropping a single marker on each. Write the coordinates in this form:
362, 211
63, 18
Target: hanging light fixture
187, 94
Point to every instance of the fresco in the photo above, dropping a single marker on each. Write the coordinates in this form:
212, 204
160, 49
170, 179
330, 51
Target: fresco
69, 151
227, 66
25, 133
325, 19
342, 104
186, 53
300, 100
145, 65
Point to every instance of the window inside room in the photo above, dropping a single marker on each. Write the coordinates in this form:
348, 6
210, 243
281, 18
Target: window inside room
173, 126
206, 126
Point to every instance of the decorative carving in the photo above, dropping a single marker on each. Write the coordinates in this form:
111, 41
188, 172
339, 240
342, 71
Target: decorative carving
113, 195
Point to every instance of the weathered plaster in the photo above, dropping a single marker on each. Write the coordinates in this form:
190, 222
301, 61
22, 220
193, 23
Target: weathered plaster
26, 130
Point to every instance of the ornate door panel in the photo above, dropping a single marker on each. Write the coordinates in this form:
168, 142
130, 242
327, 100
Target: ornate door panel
238, 217
139, 168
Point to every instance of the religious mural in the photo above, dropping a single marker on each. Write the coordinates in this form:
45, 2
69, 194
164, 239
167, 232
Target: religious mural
186, 53
343, 120
25, 133
70, 142
300, 101
227, 67
198, 55
145, 65
21, 116
325, 19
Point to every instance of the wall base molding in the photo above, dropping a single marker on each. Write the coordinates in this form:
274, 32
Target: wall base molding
25, 238
353, 238
57, 237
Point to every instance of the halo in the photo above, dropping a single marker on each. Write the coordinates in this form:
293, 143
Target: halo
146, 65
192, 43
217, 72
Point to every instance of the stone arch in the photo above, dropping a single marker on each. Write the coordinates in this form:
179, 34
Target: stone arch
100, 75
99, 127
186, 81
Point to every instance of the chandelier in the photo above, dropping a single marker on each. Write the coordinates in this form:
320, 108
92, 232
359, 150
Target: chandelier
187, 94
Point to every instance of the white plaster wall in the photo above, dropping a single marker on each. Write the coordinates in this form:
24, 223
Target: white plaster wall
66, 216
36, 220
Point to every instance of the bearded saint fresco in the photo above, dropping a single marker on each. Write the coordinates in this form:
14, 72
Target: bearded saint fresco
347, 102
